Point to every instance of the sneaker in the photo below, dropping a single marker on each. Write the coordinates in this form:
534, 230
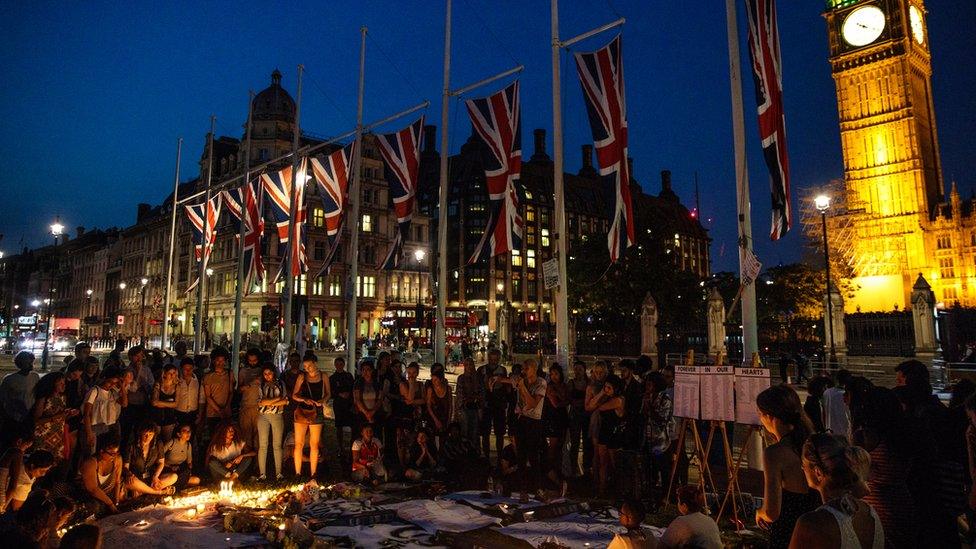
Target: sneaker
280, 477
261, 478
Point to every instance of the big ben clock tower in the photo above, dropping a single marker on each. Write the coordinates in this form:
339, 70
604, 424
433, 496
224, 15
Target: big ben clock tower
882, 69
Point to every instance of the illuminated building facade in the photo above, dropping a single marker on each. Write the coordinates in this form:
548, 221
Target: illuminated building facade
891, 221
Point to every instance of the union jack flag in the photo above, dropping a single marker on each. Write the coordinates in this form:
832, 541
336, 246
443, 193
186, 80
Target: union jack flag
768, 74
497, 120
401, 152
195, 214
245, 202
332, 174
277, 186
601, 74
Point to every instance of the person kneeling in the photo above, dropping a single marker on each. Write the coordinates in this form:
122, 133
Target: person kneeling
229, 457
367, 458
423, 457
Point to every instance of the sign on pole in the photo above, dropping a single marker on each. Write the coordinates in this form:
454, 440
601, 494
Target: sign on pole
550, 273
120, 320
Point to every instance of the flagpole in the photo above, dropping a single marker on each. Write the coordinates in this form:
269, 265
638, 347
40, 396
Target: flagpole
354, 196
292, 213
245, 193
562, 295
750, 341
204, 241
562, 237
440, 330
172, 247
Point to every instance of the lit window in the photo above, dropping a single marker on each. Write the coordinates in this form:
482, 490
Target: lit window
367, 223
366, 286
545, 238
335, 286
318, 287
530, 258
318, 217
516, 258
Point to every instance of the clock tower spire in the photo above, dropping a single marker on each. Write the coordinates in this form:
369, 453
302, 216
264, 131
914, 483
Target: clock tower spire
881, 65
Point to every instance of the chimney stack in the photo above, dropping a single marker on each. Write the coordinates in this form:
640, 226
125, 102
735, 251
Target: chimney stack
430, 137
540, 145
142, 210
587, 157
665, 181
81, 231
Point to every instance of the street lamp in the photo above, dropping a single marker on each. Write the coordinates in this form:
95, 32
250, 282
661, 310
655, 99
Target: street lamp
57, 229
89, 293
142, 311
822, 203
419, 254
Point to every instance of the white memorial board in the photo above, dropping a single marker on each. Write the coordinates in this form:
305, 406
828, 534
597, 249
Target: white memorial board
749, 382
687, 399
717, 393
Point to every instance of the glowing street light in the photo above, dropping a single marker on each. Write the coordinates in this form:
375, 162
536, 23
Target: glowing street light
822, 203
419, 254
121, 285
57, 229
36, 303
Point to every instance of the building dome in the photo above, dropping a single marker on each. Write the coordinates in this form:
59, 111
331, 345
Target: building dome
274, 102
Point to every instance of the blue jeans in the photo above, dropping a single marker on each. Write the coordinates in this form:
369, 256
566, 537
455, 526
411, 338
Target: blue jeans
218, 472
276, 424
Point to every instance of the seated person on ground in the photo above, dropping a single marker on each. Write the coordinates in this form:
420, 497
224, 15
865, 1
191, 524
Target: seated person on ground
367, 457
178, 457
632, 514
693, 528
423, 457
229, 457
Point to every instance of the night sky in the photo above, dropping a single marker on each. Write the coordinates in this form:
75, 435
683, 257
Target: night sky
95, 94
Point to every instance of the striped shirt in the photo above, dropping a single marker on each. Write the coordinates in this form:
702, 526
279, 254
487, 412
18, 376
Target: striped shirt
269, 391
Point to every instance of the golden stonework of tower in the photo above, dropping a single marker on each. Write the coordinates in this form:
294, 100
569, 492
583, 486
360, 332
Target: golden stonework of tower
892, 189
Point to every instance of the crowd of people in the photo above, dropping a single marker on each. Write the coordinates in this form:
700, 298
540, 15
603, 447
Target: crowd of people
856, 465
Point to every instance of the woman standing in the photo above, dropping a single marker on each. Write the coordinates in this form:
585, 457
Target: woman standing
579, 419
658, 413
878, 423
594, 391
164, 402
50, 414
366, 396
413, 399
555, 419
439, 406
843, 521
271, 408
610, 407
311, 393
786, 494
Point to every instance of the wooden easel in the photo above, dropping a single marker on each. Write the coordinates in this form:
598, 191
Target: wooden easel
701, 452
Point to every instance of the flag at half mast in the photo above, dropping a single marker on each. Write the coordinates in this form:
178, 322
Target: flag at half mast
768, 74
497, 120
244, 203
401, 153
277, 186
195, 214
332, 175
601, 74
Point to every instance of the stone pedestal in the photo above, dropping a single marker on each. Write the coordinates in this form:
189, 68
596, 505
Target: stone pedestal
716, 323
649, 327
839, 330
923, 317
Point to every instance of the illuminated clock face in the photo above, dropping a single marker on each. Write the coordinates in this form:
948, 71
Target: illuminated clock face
918, 30
863, 26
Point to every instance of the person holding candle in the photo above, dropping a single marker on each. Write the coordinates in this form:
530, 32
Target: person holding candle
229, 457
311, 393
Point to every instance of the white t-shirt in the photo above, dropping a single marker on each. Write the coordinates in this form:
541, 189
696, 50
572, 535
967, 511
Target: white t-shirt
105, 406
537, 389
228, 452
694, 530
836, 415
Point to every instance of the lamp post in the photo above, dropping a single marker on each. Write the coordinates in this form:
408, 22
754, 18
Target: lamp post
89, 293
822, 203
142, 311
122, 286
57, 229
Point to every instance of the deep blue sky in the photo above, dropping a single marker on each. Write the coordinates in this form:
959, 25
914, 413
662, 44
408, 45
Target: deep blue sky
95, 94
